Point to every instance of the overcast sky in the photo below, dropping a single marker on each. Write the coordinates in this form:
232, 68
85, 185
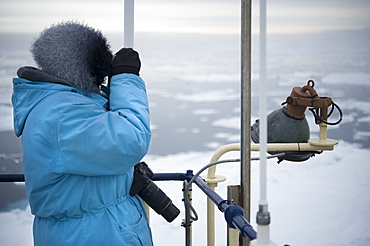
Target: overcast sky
201, 16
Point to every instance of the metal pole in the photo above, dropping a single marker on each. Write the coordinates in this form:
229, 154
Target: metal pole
245, 171
263, 215
233, 197
262, 102
187, 222
128, 34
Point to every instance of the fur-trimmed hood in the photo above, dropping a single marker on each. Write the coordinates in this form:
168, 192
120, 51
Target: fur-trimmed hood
74, 53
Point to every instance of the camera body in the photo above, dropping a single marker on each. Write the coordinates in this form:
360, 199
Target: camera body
147, 190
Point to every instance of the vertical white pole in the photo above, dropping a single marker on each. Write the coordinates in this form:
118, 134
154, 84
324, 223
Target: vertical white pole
263, 216
128, 34
263, 236
262, 101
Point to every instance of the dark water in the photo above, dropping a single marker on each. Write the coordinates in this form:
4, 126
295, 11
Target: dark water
181, 69
12, 195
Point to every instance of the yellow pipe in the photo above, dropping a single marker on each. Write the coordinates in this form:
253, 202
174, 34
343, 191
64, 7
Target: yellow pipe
212, 181
211, 219
322, 141
323, 131
293, 147
218, 153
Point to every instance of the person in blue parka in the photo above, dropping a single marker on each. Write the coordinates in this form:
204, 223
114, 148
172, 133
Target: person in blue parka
79, 149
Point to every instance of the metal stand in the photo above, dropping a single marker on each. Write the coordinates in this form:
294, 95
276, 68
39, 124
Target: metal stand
187, 221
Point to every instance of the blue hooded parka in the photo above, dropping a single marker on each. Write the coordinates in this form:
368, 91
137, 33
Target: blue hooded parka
78, 159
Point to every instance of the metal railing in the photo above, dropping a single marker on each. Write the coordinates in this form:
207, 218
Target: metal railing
234, 214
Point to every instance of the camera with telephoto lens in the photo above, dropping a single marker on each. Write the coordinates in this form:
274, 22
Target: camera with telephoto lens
151, 193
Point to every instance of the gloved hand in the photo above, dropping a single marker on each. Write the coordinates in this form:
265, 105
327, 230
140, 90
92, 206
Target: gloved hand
126, 61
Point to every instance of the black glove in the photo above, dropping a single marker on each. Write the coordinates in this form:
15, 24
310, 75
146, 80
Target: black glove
126, 61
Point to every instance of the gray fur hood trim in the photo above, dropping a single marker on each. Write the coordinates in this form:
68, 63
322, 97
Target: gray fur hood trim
75, 53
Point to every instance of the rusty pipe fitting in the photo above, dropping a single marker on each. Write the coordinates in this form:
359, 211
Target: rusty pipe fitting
303, 97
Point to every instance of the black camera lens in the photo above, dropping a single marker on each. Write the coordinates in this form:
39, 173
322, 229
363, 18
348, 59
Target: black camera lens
147, 190
159, 201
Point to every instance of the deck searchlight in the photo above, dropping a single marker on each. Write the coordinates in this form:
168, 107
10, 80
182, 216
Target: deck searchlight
288, 137
289, 124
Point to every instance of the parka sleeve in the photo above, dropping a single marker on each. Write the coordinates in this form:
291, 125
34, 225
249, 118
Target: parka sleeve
96, 142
